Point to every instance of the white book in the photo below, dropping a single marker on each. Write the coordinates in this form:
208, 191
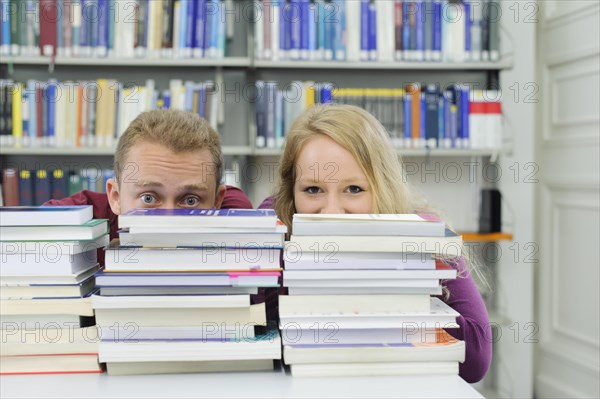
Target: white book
331, 259
372, 282
88, 231
48, 280
353, 31
42, 263
368, 224
329, 333
45, 215
47, 306
207, 332
450, 245
373, 369
437, 290
390, 275
170, 302
180, 367
289, 304
174, 290
440, 316
267, 346
235, 240
63, 341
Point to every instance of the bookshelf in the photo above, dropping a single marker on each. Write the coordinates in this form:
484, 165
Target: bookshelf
242, 67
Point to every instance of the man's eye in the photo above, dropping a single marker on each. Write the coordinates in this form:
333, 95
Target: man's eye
355, 189
147, 199
312, 190
191, 201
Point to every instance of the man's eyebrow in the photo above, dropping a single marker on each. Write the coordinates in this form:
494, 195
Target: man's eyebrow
148, 183
194, 187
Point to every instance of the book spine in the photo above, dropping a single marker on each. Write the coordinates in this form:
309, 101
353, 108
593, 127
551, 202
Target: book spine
320, 29
437, 31
275, 30
419, 54
408, 120
26, 188
485, 30
467, 28
261, 138
270, 117
431, 115
48, 18
32, 104
406, 31
364, 30
190, 31
42, 191
17, 118
304, 28
428, 14
494, 33
279, 131
312, 31
198, 51
5, 28
14, 15
373, 42
103, 21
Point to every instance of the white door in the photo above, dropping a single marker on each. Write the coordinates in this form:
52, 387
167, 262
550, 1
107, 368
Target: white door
568, 218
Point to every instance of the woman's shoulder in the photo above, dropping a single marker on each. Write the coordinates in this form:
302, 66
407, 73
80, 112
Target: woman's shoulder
268, 203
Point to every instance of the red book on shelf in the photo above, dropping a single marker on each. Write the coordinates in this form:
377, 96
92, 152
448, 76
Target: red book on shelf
10, 187
48, 18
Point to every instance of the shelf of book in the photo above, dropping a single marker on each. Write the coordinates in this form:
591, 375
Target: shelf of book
407, 152
418, 66
241, 62
488, 237
227, 150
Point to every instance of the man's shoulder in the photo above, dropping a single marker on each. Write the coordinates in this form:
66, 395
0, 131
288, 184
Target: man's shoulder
98, 200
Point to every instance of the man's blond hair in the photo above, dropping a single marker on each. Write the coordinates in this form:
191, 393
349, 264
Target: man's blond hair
179, 131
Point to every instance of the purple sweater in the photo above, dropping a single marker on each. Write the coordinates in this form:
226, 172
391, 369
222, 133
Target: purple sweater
474, 323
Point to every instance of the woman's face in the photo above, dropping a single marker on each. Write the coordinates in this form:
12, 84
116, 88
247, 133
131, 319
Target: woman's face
329, 180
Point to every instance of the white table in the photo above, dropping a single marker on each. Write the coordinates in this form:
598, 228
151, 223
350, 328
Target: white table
262, 385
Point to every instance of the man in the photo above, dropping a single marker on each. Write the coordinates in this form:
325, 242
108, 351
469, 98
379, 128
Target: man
164, 159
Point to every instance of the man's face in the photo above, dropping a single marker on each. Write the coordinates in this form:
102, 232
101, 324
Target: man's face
155, 177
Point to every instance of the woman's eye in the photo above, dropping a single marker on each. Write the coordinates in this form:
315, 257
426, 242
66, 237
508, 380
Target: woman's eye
355, 189
147, 199
312, 190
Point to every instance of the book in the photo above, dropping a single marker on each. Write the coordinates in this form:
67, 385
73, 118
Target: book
174, 290
437, 290
177, 316
154, 302
265, 346
289, 304
329, 333
59, 341
440, 316
189, 280
50, 364
206, 332
230, 218
373, 369
39, 291
47, 306
368, 224
128, 258
449, 245
363, 283
45, 279
445, 348
179, 367
227, 239
48, 264
330, 259
442, 271
87, 231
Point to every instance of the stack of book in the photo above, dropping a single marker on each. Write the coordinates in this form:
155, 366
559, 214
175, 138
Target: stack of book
46, 279
360, 296
175, 294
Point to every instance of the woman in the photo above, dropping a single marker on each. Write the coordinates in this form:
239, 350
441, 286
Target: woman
339, 159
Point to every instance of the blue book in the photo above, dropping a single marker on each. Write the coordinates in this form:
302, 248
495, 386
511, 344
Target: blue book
51, 98
407, 120
326, 90
340, 31
419, 31
431, 114
42, 192
32, 104
93, 27
85, 25
364, 30
422, 124
103, 22
166, 99
5, 22
304, 28
26, 190
321, 29
437, 30
215, 20
111, 24
199, 27
201, 100
328, 32
181, 33
190, 36
201, 218
188, 99
467, 8
293, 16
464, 115
312, 31
441, 121
59, 184
279, 132
448, 118
372, 32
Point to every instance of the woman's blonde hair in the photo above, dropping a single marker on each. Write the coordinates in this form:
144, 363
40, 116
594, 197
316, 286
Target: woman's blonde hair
366, 139
360, 133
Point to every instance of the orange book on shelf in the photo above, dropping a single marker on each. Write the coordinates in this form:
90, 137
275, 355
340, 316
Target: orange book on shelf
78, 127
